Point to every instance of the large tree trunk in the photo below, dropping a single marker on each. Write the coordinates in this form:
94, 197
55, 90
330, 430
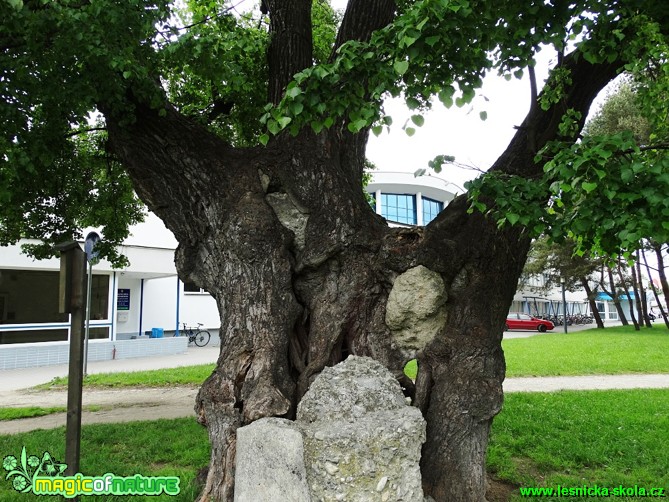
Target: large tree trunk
301, 269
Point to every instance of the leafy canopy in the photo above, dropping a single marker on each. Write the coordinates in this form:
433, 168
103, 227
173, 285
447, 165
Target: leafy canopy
609, 189
62, 60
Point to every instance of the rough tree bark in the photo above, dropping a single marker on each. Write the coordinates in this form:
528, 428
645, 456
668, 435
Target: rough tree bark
301, 268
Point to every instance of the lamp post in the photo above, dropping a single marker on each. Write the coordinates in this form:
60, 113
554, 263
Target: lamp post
564, 304
91, 256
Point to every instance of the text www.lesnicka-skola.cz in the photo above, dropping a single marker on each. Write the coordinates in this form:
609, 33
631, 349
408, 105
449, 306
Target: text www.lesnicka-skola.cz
593, 491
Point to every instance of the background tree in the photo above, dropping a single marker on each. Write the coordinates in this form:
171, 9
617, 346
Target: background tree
278, 230
558, 261
608, 284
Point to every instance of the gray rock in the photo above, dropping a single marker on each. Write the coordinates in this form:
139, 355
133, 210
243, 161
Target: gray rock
355, 439
415, 311
349, 390
270, 463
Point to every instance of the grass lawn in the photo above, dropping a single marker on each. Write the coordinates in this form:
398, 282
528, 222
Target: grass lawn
28, 412
607, 438
35, 411
158, 448
615, 350
604, 438
167, 377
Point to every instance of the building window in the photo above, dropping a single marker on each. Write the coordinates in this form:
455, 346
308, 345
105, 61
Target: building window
400, 208
431, 208
191, 287
30, 297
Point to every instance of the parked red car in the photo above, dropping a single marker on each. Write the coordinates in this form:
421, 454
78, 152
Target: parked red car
518, 320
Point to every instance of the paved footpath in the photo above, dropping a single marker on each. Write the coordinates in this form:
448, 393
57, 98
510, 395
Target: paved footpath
124, 405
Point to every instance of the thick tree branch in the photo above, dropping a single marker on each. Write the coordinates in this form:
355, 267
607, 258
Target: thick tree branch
587, 80
291, 46
363, 17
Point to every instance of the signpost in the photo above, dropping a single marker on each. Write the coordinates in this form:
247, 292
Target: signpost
71, 300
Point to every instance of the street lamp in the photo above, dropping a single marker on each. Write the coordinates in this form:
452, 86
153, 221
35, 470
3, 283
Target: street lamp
91, 256
564, 304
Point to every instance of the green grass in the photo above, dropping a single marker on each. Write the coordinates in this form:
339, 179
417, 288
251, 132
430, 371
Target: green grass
612, 351
616, 350
28, 412
574, 438
20, 412
158, 448
607, 438
167, 377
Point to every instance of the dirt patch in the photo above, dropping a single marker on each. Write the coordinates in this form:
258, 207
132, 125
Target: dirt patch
499, 491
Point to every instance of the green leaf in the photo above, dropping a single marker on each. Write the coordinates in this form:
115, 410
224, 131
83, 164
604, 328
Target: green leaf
357, 125
412, 103
407, 41
317, 127
284, 121
418, 120
377, 130
264, 139
512, 218
273, 126
410, 131
483, 115
296, 108
588, 187
293, 92
401, 67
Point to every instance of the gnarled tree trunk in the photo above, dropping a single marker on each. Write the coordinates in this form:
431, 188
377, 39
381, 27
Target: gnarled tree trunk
301, 268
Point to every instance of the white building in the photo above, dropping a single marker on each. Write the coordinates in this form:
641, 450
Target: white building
405, 199
124, 303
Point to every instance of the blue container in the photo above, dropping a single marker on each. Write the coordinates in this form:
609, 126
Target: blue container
156, 332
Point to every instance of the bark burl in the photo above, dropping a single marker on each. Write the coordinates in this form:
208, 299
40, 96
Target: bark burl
301, 268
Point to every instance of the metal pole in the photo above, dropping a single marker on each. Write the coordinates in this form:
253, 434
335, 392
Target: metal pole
564, 305
88, 315
75, 375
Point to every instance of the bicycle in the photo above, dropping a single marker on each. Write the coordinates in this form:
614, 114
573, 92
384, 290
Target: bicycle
198, 336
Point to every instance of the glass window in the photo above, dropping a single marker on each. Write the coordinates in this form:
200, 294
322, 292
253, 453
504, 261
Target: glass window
100, 297
30, 296
33, 335
400, 208
98, 333
191, 287
431, 208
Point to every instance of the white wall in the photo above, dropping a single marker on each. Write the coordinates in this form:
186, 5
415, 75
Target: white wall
127, 322
199, 308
